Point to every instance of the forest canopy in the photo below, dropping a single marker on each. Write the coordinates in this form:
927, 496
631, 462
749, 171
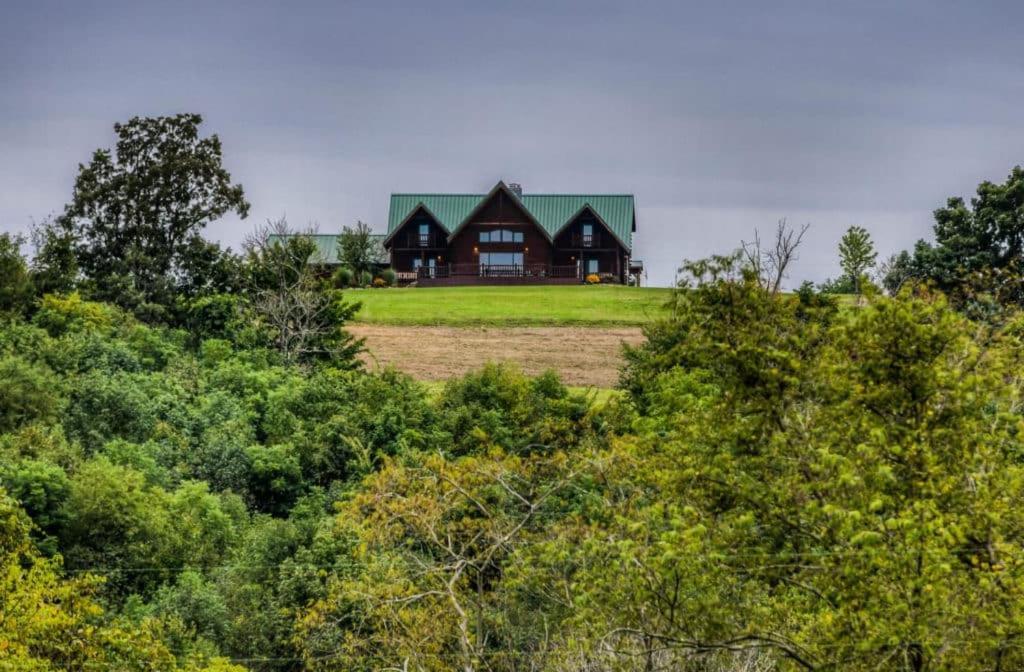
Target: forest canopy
786, 485
197, 474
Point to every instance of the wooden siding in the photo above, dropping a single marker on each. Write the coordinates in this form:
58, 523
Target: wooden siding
571, 246
500, 213
405, 244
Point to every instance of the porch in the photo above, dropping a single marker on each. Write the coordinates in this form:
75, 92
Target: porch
497, 274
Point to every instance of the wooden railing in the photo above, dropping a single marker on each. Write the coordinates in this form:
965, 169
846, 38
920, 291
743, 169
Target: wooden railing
417, 240
591, 240
528, 271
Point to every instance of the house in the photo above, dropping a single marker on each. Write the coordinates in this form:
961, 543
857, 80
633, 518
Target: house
507, 237
326, 252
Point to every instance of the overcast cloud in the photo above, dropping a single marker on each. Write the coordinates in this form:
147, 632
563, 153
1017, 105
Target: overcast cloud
720, 117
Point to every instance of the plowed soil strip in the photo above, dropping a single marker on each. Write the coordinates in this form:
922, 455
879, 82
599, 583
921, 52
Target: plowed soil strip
582, 356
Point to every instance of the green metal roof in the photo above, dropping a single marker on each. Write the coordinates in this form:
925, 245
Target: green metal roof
326, 252
552, 211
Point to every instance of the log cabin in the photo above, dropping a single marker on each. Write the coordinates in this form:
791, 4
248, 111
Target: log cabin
507, 237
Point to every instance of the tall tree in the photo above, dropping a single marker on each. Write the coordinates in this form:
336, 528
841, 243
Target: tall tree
856, 254
976, 256
136, 214
356, 248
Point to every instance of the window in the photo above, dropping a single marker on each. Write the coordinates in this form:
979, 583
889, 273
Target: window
417, 264
591, 266
501, 236
424, 235
588, 235
501, 258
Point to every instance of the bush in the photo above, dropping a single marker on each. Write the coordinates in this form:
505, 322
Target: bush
365, 279
379, 283
388, 275
342, 277
593, 279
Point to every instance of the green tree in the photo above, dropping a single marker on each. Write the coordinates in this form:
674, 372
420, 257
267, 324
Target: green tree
303, 315
117, 524
976, 256
868, 519
136, 214
54, 265
356, 248
16, 290
28, 393
50, 623
856, 255
897, 271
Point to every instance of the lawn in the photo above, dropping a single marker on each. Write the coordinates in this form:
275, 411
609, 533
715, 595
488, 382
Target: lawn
553, 305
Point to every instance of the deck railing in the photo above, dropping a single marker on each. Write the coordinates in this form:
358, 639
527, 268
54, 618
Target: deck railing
420, 240
538, 272
588, 240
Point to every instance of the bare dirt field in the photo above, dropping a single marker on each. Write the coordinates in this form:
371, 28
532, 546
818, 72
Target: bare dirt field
582, 356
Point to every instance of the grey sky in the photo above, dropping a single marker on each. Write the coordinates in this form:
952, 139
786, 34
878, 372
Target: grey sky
721, 117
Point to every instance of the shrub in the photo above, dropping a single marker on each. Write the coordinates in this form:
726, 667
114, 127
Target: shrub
342, 277
593, 279
388, 275
380, 282
365, 279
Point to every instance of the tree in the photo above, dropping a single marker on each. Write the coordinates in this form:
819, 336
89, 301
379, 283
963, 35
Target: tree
856, 255
896, 271
771, 264
54, 263
866, 517
976, 256
28, 393
431, 540
16, 290
356, 248
305, 316
136, 214
51, 623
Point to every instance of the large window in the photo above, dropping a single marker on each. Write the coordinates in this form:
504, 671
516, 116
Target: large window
592, 266
424, 235
501, 236
501, 258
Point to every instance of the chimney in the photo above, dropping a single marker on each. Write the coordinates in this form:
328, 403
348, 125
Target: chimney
516, 189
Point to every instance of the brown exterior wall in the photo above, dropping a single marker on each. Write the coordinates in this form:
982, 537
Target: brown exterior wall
405, 244
500, 213
570, 247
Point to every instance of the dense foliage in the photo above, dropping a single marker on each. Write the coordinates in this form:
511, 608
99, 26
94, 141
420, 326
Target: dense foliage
197, 475
786, 485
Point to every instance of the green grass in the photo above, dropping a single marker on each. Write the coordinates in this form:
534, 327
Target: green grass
554, 305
